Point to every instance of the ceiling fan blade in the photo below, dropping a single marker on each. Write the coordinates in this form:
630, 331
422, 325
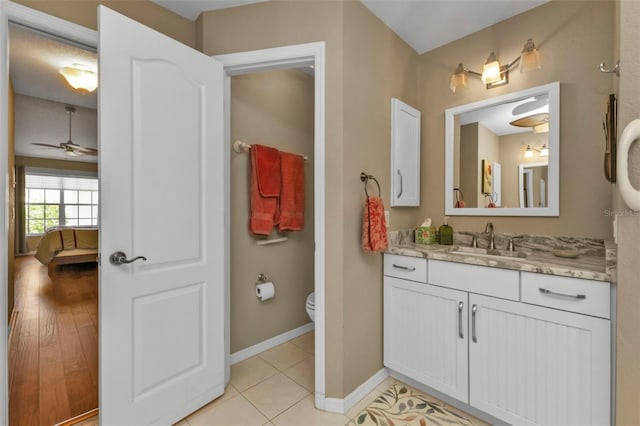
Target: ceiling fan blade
81, 149
48, 145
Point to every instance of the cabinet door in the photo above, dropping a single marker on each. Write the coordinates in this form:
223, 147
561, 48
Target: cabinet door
425, 335
531, 365
405, 154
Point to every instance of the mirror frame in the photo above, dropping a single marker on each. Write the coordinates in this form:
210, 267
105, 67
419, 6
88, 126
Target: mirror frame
553, 191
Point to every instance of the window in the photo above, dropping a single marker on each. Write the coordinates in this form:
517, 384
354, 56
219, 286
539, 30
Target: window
52, 200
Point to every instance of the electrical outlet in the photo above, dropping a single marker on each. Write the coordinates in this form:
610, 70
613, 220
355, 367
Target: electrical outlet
386, 217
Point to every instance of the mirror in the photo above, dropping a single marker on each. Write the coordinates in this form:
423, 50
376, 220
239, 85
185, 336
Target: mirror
502, 155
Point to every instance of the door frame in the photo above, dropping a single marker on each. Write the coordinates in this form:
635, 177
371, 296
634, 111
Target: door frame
299, 55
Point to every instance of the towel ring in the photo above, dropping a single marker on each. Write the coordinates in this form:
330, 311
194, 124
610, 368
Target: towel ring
365, 178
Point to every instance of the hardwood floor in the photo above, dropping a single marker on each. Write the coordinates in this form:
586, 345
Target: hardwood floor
53, 351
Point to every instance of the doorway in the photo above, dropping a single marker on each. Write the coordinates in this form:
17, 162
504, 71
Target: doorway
297, 55
53, 343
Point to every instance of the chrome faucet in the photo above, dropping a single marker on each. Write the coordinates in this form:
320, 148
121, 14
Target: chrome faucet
488, 229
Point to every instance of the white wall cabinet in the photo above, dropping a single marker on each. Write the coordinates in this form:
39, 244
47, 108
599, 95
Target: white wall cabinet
405, 154
521, 363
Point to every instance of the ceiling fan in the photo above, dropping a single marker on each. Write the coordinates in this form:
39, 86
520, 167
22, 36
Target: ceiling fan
71, 148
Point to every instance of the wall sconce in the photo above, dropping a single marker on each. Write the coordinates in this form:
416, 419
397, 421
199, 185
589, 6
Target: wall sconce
493, 73
80, 77
544, 151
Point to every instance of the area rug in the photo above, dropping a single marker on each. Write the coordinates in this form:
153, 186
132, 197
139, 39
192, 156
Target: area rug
401, 405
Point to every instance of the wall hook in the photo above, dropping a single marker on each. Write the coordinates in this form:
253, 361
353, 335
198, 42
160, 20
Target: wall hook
615, 70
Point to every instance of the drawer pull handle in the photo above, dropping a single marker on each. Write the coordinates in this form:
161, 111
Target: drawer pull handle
572, 296
474, 309
404, 268
460, 307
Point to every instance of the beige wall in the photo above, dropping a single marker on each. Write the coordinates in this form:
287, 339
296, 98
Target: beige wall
469, 172
84, 12
377, 67
275, 109
12, 199
367, 64
628, 291
47, 163
574, 37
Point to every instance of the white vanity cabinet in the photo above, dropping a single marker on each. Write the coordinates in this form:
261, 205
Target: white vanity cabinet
425, 331
531, 365
492, 339
405, 154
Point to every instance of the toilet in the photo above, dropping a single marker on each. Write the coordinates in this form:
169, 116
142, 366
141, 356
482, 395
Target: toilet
311, 305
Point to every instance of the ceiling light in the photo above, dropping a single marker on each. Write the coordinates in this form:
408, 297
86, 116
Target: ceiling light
541, 128
80, 77
528, 153
493, 74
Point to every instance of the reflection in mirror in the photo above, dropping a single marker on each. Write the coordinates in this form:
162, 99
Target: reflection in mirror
499, 149
532, 185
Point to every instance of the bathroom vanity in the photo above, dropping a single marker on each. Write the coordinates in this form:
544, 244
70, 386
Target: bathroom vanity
525, 340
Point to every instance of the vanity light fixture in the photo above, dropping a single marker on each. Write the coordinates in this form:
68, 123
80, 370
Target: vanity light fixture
493, 73
544, 151
80, 77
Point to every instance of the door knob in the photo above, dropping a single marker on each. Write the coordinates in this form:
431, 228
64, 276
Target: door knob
119, 258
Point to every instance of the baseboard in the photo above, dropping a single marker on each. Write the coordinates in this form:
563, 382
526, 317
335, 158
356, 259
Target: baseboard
247, 353
80, 418
12, 325
338, 405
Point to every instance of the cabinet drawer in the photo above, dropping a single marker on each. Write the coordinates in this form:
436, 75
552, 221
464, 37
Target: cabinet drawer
569, 294
496, 282
406, 267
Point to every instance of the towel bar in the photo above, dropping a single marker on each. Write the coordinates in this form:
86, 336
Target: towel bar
271, 241
240, 147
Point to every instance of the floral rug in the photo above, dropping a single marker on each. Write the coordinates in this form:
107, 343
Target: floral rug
401, 405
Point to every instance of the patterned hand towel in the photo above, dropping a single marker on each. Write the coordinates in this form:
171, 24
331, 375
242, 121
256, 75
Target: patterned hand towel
374, 227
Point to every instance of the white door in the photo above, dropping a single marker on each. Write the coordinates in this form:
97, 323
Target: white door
161, 176
425, 335
531, 365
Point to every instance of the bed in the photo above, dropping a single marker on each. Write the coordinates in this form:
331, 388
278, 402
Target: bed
65, 246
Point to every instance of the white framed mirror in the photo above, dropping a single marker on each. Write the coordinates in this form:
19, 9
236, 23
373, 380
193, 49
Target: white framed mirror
487, 142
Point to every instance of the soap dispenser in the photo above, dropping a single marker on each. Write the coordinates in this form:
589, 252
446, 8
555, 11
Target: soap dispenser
446, 233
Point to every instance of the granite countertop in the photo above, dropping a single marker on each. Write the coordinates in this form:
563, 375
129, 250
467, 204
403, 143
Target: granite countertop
597, 259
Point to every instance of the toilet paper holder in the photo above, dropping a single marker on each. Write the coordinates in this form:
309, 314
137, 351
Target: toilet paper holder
262, 278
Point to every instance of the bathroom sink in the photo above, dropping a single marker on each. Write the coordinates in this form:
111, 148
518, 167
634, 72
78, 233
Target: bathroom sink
483, 252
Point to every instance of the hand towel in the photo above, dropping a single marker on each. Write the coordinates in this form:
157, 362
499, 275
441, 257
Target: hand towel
267, 170
264, 209
374, 227
292, 192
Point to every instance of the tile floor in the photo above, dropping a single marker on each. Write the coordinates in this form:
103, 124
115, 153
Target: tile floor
276, 388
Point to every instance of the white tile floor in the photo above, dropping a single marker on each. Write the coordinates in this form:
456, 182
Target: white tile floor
276, 388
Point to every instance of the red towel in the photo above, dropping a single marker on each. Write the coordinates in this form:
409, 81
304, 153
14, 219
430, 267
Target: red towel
292, 192
264, 209
374, 227
267, 170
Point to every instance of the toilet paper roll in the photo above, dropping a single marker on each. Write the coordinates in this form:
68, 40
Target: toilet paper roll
265, 291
